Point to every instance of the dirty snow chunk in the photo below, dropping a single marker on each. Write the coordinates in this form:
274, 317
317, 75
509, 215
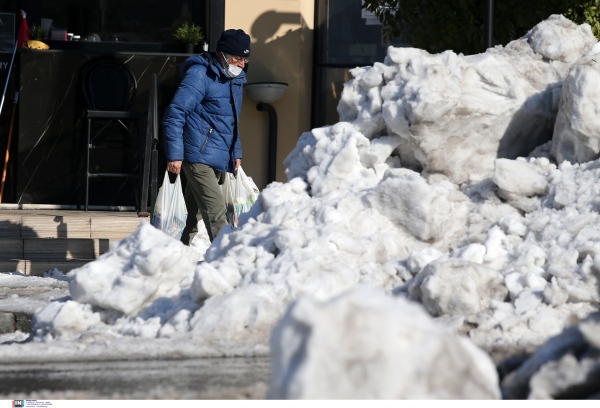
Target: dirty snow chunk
456, 114
136, 270
456, 287
577, 129
17, 336
59, 319
299, 161
513, 224
335, 159
366, 345
558, 38
201, 241
566, 377
209, 282
55, 273
473, 253
246, 315
565, 367
420, 259
361, 100
519, 177
431, 213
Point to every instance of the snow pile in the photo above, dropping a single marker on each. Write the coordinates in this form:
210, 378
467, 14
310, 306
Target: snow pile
577, 129
63, 319
141, 268
455, 114
506, 259
457, 287
559, 39
567, 367
366, 345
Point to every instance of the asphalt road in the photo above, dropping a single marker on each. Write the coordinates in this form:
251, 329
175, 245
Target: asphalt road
227, 378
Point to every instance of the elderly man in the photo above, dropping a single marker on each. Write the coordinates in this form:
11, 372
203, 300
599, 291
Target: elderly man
201, 129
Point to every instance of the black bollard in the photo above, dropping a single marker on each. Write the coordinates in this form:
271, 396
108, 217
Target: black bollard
488, 24
265, 107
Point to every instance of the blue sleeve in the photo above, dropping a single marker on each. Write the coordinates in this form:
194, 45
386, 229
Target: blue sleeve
190, 92
237, 149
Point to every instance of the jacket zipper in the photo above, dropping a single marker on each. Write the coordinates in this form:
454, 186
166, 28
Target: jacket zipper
206, 141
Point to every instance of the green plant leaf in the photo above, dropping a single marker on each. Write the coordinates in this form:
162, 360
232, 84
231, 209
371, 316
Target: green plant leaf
188, 34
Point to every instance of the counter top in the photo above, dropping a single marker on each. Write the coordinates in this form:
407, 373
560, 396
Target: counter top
106, 47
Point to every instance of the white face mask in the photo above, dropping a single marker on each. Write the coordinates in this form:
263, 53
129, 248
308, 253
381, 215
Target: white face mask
230, 70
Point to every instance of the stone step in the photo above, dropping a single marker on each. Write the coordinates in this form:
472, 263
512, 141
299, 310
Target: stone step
67, 224
53, 249
37, 268
59, 226
113, 228
12, 321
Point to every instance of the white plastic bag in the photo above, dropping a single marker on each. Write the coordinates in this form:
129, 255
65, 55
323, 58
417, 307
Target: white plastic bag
240, 194
170, 213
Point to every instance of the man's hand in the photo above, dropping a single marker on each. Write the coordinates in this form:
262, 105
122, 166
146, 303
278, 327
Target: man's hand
174, 166
238, 163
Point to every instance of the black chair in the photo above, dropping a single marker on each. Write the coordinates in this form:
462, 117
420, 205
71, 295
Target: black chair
109, 89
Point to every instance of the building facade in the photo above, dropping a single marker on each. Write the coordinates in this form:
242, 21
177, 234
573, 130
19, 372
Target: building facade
309, 44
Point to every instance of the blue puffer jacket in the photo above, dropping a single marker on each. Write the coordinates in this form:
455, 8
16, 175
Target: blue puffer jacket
201, 124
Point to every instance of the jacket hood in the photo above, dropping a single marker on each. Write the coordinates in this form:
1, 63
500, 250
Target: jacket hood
206, 59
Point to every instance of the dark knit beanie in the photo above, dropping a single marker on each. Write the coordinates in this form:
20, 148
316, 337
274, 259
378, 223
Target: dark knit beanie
234, 42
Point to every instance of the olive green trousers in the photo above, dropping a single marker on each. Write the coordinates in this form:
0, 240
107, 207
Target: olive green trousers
203, 200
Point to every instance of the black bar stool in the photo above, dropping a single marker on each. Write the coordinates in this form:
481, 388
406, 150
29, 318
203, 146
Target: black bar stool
109, 88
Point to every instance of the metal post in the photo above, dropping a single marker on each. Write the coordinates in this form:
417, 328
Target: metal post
488, 24
87, 164
272, 169
153, 183
143, 212
154, 166
216, 20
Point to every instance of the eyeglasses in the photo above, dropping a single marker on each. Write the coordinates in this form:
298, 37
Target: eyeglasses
239, 59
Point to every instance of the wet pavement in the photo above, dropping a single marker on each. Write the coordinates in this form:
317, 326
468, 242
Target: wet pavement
227, 378
213, 378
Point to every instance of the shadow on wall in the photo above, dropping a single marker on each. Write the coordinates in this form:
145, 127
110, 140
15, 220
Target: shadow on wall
271, 57
23, 247
278, 55
11, 246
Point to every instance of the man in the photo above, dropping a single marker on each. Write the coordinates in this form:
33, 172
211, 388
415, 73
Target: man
201, 129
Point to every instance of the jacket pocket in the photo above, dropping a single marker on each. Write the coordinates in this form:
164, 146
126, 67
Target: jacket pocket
206, 141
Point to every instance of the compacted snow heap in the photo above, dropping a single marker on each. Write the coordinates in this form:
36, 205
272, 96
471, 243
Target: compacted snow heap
366, 345
418, 191
456, 114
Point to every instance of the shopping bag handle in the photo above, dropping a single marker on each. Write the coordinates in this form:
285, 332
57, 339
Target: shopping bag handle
172, 177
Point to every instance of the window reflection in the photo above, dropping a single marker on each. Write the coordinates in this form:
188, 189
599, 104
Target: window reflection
347, 37
333, 80
118, 20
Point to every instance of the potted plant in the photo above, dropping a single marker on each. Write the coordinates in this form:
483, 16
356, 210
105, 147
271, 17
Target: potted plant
188, 35
36, 33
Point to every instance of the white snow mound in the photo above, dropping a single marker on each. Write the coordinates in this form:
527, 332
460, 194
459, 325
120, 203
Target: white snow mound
366, 345
577, 129
136, 270
456, 114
